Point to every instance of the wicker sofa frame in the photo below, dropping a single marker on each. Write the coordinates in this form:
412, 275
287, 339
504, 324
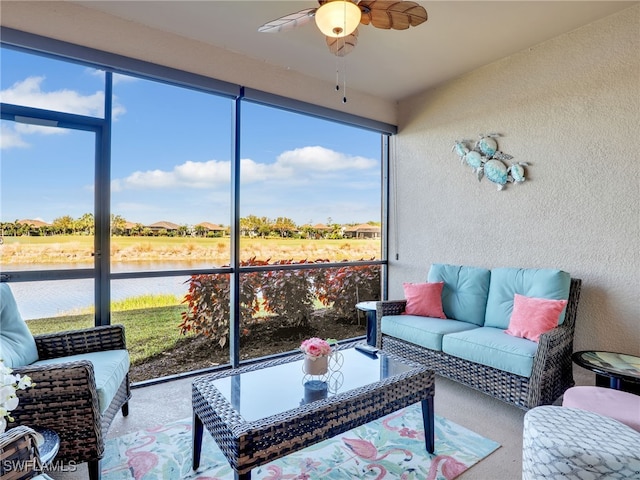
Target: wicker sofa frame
65, 398
552, 372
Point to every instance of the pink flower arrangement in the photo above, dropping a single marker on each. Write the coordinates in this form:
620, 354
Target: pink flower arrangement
316, 347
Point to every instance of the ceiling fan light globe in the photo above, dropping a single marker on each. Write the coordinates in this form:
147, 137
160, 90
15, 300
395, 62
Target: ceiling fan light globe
338, 18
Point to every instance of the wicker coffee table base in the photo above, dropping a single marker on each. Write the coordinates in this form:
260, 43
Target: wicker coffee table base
427, 419
247, 445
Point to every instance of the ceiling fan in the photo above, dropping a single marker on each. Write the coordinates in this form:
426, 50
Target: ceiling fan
338, 20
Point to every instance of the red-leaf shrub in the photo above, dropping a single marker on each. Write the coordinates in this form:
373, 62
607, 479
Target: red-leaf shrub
289, 294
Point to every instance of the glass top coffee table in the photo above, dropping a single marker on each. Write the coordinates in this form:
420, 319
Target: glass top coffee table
259, 413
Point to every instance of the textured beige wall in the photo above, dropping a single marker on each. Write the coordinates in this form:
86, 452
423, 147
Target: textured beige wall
570, 107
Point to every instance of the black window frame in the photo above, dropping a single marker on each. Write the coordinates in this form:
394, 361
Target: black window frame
113, 63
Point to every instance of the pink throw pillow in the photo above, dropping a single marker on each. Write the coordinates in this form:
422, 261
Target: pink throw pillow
424, 299
532, 317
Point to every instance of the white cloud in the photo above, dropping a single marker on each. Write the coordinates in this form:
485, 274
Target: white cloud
9, 138
301, 164
29, 92
28, 129
189, 174
118, 78
322, 159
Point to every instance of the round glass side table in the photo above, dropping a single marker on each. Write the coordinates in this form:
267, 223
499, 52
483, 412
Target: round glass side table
611, 368
48, 443
370, 311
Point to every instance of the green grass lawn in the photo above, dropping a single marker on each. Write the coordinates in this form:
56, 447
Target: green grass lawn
149, 331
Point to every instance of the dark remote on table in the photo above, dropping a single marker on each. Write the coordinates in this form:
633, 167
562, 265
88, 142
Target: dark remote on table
367, 349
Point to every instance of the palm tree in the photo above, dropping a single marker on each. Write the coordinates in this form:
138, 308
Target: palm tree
285, 226
63, 225
137, 229
118, 225
200, 230
86, 224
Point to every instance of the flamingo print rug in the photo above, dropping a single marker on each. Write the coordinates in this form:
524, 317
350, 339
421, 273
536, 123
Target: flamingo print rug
389, 448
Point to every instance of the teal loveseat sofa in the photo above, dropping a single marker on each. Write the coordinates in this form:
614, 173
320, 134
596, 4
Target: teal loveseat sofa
81, 382
470, 345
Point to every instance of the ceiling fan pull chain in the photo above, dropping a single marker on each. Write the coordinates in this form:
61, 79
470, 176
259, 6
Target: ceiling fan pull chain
344, 62
344, 79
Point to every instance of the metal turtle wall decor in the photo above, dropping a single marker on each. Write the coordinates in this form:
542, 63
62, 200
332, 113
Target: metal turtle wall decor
486, 160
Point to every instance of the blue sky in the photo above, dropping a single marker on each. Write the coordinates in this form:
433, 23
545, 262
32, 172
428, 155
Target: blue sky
170, 154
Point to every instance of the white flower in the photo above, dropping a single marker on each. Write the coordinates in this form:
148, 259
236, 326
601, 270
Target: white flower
24, 382
9, 384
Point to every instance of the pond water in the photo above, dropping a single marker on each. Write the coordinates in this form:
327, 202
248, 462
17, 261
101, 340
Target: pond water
51, 298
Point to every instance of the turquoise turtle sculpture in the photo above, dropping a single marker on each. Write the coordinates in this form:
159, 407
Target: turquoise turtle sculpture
473, 158
496, 172
516, 172
487, 144
460, 148
487, 161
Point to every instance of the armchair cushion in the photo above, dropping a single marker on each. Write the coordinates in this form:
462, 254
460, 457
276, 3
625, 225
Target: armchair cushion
17, 345
423, 331
530, 282
491, 347
110, 368
464, 296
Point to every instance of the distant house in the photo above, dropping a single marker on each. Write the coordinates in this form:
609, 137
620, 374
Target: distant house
128, 228
321, 230
34, 223
211, 228
168, 226
36, 227
363, 230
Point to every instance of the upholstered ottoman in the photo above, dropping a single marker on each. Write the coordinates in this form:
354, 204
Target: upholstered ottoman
570, 443
619, 405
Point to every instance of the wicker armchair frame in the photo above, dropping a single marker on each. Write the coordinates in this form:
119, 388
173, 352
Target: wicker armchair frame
65, 398
552, 372
19, 458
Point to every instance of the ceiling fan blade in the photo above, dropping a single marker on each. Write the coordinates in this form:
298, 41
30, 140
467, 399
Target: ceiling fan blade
344, 45
398, 15
288, 21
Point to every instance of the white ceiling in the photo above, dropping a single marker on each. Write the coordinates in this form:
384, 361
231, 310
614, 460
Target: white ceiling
458, 37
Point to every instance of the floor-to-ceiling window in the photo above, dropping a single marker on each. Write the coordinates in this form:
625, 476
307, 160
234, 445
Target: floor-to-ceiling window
301, 232
48, 165
47, 221
310, 194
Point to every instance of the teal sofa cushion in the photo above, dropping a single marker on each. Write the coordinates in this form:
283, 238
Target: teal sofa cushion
17, 345
424, 331
494, 348
530, 282
465, 292
110, 369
